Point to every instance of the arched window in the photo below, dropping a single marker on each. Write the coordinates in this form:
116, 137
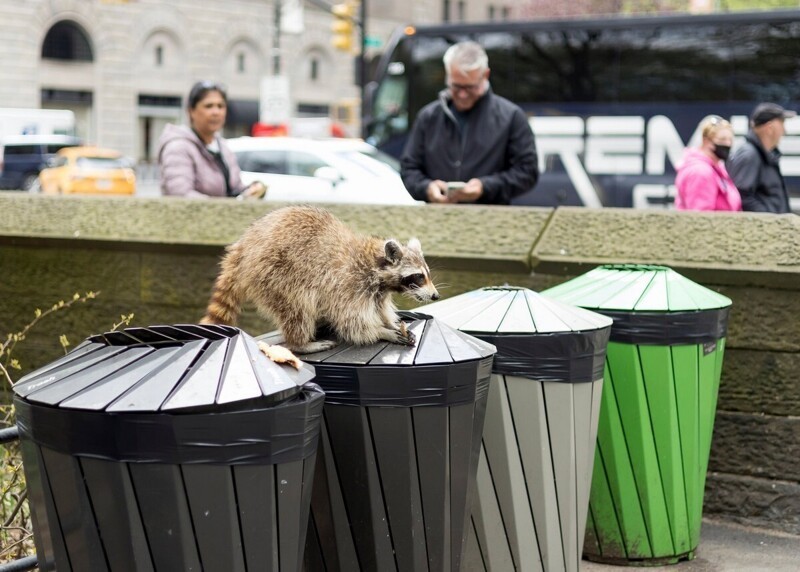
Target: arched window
66, 40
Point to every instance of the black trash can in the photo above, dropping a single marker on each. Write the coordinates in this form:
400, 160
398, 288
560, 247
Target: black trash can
534, 474
169, 448
399, 450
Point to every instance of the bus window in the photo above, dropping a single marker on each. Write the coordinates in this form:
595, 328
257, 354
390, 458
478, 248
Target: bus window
674, 64
544, 66
390, 108
766, 61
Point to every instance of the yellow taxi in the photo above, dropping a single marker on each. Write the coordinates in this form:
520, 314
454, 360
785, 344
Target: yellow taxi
88, 171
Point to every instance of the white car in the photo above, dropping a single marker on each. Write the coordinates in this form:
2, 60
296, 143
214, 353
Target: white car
320, 170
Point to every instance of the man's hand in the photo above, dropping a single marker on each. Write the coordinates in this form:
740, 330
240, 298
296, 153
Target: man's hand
471, 192
437, 192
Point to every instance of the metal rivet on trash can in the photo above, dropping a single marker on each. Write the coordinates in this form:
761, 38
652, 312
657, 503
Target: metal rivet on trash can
662, 377
398, 450
541, 423
169, 448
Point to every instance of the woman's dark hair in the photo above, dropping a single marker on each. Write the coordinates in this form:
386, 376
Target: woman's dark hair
201, 88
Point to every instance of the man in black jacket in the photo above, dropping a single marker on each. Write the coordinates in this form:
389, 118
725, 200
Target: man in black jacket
469, 146
754, 167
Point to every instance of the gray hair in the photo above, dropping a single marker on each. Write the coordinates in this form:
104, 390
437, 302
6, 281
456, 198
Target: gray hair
466, 57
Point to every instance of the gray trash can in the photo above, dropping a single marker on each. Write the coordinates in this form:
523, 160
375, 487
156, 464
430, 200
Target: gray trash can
169, 448
538, 446
398, 451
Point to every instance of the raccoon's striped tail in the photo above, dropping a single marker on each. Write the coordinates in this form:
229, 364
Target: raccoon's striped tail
225, 303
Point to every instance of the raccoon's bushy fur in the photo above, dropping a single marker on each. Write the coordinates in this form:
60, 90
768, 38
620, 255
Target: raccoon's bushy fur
304, 268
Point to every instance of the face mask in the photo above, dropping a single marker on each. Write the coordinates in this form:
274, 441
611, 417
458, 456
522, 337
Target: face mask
722, 151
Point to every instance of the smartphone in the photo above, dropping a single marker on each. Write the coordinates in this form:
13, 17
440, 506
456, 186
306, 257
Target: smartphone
453, 186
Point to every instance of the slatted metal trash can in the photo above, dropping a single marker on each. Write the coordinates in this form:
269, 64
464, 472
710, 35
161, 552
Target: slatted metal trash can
169, 448
661, 382
541, 425
398, 451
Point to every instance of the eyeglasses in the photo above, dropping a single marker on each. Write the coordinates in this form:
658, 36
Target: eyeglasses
714, 122
211, 85
470, 88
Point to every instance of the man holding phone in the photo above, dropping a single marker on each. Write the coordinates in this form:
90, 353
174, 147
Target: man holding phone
470, 145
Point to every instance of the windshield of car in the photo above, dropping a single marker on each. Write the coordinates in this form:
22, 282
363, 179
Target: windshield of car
100, 162
379, 155
367, 162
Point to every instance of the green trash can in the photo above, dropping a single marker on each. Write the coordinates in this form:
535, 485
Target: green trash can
662, 375
537, 450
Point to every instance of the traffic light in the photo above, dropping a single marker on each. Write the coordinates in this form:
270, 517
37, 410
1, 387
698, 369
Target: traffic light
344, 19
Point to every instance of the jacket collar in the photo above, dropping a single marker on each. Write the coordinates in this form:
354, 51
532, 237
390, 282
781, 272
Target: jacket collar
445, 99
766, 156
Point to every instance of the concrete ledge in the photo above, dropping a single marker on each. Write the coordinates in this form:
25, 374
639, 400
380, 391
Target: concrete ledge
712, 248
459, 237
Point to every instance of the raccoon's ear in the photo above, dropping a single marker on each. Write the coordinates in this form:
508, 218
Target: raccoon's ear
414, 244
393, 251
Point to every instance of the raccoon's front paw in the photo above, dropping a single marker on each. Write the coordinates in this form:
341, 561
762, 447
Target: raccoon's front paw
401, 336
405, 336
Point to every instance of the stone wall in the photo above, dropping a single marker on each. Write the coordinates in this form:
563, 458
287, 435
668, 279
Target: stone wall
158, 258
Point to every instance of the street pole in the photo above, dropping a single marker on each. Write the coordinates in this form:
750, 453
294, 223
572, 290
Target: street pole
276, 40
363, 64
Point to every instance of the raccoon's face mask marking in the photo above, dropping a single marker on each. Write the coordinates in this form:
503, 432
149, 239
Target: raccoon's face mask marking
405, 271
418, 285
413, 281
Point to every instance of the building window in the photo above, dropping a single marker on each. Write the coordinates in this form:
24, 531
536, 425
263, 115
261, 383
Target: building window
240, 67
491, 12
506, 12
462, 10
314, 70
66, 40
159, 56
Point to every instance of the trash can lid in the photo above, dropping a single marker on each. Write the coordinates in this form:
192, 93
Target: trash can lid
161, 368
445, 367
437, 343
637, 288
536, 337
512, 310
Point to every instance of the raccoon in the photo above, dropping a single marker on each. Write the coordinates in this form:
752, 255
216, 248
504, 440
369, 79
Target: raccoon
305, 269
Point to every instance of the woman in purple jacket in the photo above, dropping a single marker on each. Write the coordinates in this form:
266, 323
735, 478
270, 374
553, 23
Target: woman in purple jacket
702, 182
195, 161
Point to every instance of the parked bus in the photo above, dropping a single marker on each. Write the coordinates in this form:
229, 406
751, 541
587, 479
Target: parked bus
612, 102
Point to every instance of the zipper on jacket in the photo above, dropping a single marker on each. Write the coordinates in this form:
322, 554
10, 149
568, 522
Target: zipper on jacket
463, 140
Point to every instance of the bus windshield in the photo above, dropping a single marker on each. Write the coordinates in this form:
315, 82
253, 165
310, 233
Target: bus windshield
613, 102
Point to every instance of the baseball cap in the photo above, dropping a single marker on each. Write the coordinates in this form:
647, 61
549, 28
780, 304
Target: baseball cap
765, 112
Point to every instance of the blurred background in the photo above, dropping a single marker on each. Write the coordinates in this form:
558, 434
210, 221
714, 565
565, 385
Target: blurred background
291, 67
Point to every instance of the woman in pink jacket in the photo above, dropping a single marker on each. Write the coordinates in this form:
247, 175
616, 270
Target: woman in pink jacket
195, 161
702, 182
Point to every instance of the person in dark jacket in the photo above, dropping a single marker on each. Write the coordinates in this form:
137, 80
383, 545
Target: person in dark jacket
754, 166
470, 145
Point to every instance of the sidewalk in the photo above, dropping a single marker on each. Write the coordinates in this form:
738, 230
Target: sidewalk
726, 547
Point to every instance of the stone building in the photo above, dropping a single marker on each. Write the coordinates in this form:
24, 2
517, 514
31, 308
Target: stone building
124, 66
